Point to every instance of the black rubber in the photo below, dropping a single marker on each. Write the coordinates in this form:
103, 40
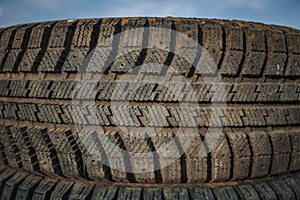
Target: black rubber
259, 66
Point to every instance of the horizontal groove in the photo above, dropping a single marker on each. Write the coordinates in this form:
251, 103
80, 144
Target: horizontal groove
109, 128
114, 76
208, 104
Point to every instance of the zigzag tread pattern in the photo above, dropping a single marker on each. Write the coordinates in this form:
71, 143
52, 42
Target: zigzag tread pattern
242, 156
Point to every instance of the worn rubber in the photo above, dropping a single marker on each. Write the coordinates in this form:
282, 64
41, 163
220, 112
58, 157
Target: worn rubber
260, 68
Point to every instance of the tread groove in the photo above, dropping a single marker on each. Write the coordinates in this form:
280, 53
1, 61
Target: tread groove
32, 152
78, 155
115, 46
251, 157
224, 49
44, 46
272, 155
184, 178
146, 36
239, 71
171, 54
15, 149
3, 154
24, 45
266, 56
208, 161
231, 157
127, 161
53, 154
93, 43
192, 70
157, 173
67, 47
9, 47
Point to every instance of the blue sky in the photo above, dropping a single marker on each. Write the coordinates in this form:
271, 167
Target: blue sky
282, 12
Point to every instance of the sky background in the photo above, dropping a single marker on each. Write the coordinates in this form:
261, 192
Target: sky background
281, 12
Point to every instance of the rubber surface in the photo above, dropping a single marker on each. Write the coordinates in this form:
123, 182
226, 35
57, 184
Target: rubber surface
260, 69
19, 184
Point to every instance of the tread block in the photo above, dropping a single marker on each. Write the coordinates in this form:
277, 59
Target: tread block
176, 194
239, 144
197, 170
83, 33
59, 33
295, 140
11, 60
280, 163
260, 166
225, 193
5, 38
28, 60
276, 41
37, 33
19, 36
105, 192
50, 60
44, 188
202, 193
5, 175
62, 190
265, 191
289, 92
220, 160
276, 64
25, 190
130, 193
244, 92
11, 185
268, 92
260, 142
293, 183
281, 142
247, 192
254, 63
75, 60
81, 191
152, 193
213, 39
295, 162
293, 65
231, 63
293, 40
172, 172
282, 190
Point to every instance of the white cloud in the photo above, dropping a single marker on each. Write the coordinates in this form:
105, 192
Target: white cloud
1, 11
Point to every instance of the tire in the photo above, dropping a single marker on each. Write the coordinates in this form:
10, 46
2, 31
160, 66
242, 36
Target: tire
238, 80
